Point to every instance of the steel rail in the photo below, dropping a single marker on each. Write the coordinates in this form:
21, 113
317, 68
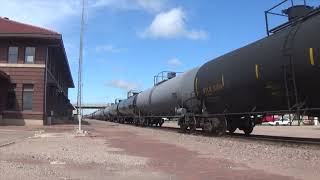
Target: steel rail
252, 137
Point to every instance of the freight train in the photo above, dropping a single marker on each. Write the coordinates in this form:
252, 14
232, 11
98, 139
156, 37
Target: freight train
275, 75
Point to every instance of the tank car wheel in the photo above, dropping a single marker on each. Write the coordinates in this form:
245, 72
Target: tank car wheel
222, 127
161, 123
216, 126
232, 129
231, 126
192, 128
121, 121
247, 132
208, 127
144, 122
183, 128
149, 124
249, 125
136, 121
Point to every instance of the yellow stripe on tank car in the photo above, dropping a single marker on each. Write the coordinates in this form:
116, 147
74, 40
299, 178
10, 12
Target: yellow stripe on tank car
257, 71
311, 56
196, 84
222, 80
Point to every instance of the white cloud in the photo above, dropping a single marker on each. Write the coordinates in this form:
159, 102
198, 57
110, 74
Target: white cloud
174, 62
38, 12
53, 13
152, 5
195, 35
172, 24
108, 48
148, 5
121, 4
121, 84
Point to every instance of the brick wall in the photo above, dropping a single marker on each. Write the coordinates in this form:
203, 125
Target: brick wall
21, 74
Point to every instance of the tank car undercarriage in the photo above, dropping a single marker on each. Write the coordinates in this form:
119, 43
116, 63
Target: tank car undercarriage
217, 125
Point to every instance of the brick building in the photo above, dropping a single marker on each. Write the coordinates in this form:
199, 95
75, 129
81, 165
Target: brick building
34, 75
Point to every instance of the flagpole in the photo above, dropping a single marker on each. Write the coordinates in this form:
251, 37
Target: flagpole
80, 85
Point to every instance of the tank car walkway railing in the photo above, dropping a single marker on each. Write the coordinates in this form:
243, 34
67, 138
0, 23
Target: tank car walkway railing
286, 24
93, 106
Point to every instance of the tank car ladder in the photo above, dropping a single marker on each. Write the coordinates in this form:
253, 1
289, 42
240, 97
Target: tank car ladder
289, 73
290, 86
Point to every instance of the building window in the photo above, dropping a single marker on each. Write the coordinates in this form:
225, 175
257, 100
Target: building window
11, 98
13, 55
27, 96
30, 55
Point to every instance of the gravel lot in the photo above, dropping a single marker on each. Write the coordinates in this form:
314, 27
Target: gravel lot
112, 151
60, 154
285, 159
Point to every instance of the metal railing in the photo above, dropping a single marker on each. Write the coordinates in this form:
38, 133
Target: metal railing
270, 12
92, 106
164, 76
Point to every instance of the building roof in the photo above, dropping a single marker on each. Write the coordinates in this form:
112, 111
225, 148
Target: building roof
9, 27
14, 29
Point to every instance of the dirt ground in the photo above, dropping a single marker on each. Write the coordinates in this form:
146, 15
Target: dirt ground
112, 151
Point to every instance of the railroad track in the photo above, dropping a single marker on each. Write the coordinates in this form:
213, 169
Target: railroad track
279, 139
240, 136
253, 137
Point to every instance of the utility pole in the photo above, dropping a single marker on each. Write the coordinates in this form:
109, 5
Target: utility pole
79, 98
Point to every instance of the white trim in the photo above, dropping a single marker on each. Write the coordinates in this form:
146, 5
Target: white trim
22, 65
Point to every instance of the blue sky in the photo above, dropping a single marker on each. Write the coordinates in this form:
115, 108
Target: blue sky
127, 42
